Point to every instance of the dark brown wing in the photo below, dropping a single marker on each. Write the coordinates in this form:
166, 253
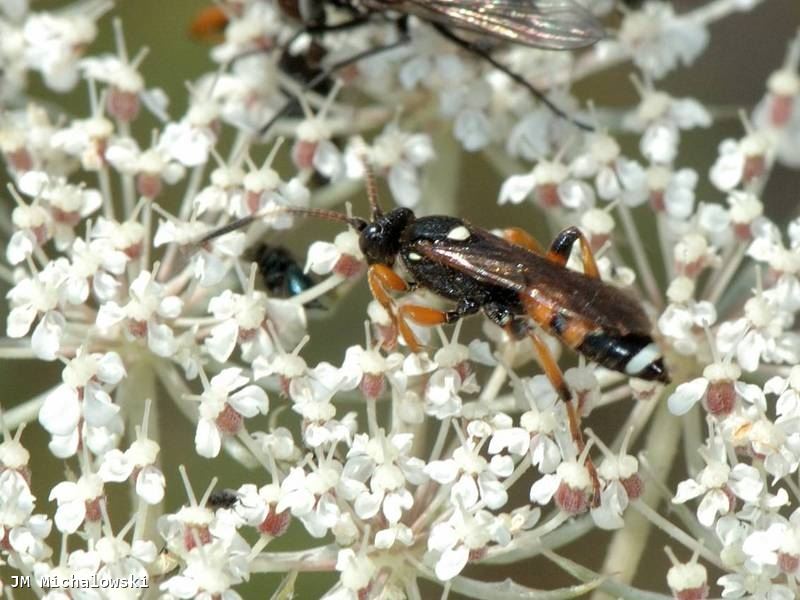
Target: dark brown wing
494, 261
548, 24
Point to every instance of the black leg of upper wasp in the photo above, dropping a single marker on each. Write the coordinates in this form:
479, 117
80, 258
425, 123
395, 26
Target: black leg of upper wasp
478, 51
562, 246
293, 102
351, 24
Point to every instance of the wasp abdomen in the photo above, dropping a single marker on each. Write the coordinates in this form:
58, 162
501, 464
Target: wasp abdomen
632, 353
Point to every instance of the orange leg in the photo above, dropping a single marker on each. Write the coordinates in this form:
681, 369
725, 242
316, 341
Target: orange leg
562, 245
419, 314
424, 315
520, 237
553, 373
382, 278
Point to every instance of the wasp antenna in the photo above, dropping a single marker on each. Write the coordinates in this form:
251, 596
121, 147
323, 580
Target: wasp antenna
372, 187
321, 213
232, 226
330, 215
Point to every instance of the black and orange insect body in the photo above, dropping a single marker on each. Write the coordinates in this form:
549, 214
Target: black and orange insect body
512, 280
511, 283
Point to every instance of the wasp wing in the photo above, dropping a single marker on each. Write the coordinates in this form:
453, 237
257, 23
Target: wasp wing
494, 261
548, 24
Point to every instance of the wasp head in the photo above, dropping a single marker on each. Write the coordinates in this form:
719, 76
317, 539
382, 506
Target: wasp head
380, 239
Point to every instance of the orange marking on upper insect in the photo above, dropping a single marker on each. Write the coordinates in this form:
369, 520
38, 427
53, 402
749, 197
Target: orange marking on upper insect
209, 25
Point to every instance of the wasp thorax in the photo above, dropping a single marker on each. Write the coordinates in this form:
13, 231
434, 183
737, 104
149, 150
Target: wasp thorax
380, 240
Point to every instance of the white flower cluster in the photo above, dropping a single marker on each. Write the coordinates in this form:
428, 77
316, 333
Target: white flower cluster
403, 465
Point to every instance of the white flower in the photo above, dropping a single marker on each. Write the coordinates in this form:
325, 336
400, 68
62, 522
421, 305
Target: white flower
224, 404
241, 321
397, 154
38, 297
657, 40
368, 370
615, 176
310, 497
342, 257
472, 477
211, 570
684, 318
77, 502
95, 265
357, 570
149, 304
538, 426
138, 460
739, 162
83, 400
569, 486
623, 484
530, 137
687, 579
787, 389
53, 43
126, 237
760, 335
463, 536
550, 185
188, 142
33, 228
151, 167
375, 476
717, 483
720, 378
24, 532
660, 118
443, 392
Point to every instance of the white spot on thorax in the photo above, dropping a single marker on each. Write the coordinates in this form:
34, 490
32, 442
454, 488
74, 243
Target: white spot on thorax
414, 256
458, 234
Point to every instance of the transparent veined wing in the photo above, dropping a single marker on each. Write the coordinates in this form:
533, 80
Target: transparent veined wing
493, 261
548, 24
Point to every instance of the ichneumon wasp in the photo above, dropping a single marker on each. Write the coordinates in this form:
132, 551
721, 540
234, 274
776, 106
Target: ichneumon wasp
511, 279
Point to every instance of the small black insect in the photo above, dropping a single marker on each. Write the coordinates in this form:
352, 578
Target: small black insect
225, 498
280, 272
